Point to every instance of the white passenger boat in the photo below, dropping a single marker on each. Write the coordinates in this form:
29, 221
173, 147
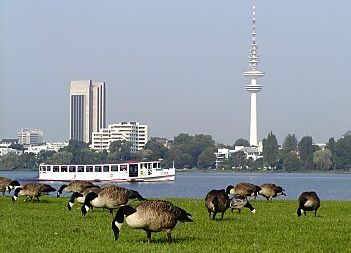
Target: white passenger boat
117, 172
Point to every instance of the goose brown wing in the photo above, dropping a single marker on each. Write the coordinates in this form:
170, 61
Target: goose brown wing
46, 188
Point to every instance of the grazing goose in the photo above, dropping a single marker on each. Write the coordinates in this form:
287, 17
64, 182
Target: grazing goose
270, 191
217, 201
32, 190
308, 201
74, 186
80, 196
7, 184
244, 189
151, 216
110, 197
239, 202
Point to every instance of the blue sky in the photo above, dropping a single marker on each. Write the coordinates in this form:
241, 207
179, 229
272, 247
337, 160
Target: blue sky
177, 65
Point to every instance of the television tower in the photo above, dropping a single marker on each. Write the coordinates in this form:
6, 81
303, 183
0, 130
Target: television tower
253, 74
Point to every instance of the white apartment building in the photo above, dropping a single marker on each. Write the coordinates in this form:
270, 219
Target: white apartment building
30, 136
4, 151
52, 146
134, 132
250, 152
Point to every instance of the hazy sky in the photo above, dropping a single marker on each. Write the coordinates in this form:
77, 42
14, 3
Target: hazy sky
177, 65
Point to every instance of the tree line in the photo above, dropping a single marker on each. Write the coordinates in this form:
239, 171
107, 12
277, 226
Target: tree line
197, 151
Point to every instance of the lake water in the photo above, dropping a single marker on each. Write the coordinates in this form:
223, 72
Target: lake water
196, 185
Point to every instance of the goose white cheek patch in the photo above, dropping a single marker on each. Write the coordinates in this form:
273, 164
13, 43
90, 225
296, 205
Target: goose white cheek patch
119, 225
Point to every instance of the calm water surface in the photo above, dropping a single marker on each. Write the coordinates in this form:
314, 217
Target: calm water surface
196, 185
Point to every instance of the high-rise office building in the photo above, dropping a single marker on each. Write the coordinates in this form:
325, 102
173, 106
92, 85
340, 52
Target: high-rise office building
87, 109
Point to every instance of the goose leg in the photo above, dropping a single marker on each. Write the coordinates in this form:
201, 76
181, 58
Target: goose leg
169, 236
148, 234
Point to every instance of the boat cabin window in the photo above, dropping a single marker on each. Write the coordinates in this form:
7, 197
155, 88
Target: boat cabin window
64, 169
72, 168
48, 168
114, 167
133, 170
55, 168
106, 168
80, 169
97, 168
123, 168
89, 169
42, 168
155, 165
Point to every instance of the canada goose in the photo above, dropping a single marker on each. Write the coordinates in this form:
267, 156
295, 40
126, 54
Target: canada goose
244, 189
151, 216
308, 201
217, 201
239, 202
32, 190
7, 184
110, 197
270, 191
74, 186
80, 196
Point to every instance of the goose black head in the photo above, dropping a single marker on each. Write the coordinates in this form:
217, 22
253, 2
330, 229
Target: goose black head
135, 195
59, 192
85, 207
119, 218
229, 187
13, 184
15, 195
71, 200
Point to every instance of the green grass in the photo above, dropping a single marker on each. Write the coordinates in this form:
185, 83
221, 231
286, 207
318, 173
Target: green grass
49, 227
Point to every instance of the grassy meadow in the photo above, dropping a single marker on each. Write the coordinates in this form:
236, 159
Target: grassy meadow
49, 227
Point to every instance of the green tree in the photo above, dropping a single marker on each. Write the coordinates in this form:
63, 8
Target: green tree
61, 157
119, 151
306, 150
153, 151
44, 156
270, 150
331, 146
322, 159
290, 143
238, 160
180, 159
343, 153
9, 161
28, 161
291, 162
206, 158
241, 142
192, 145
